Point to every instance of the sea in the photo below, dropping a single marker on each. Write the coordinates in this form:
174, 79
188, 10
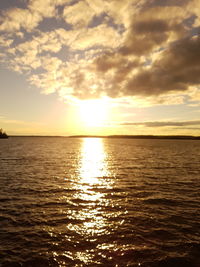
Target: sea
99, 202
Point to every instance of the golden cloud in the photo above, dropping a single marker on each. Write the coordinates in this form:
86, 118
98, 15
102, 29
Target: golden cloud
79, 15
16, 18
145, 49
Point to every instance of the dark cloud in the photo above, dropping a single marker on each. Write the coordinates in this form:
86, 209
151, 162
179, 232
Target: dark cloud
162, 3
150, 30
188, 128
122, 66
10, 4
107, 61
177, 68
150, 26
162, 123
145, 35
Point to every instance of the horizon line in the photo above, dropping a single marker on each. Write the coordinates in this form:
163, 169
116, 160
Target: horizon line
118, 136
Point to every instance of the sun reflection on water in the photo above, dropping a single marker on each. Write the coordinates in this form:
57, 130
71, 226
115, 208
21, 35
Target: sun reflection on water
93, 174
91, 181
93, 165
91, 185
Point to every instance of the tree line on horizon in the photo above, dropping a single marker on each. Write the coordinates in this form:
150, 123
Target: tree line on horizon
3, 134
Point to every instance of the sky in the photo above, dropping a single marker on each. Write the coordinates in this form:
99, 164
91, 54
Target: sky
70, 67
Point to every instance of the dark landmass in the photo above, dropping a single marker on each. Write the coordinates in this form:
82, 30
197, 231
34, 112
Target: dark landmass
178, 137
42, 136
3, 134
174, 137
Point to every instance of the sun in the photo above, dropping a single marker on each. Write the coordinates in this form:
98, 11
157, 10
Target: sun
94, 112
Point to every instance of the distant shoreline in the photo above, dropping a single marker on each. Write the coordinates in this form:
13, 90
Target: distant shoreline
168, 137
177, 137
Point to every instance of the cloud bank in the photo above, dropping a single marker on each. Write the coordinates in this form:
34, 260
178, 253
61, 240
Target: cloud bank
90, 49
163, 123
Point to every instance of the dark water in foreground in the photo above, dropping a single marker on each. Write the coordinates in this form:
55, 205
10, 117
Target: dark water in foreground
107, 202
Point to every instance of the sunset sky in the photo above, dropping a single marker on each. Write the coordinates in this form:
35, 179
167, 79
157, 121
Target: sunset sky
100, 67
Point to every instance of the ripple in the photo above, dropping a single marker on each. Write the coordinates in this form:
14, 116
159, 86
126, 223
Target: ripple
138, 207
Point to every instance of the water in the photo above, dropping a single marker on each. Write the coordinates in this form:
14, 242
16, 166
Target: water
107, 202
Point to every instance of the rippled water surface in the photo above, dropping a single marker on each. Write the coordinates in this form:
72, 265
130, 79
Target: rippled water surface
93, 201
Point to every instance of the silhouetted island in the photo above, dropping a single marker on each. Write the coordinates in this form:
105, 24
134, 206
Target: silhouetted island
177, 137
3, 134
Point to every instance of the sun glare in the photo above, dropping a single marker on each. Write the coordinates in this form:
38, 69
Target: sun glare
93, 163
93, 113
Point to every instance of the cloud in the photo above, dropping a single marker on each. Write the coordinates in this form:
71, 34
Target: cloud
14, 19
45, 8
145, 36
162, 123
29, 55
101, 36
5, 42
79, 15
146, 49
194, 94
176, 69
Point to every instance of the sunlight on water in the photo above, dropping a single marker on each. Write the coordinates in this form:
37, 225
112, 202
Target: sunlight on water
93, 170
91, 182
99, 202
93, 174
93, 161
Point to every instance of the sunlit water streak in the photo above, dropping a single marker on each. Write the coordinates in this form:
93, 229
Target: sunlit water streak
93, 171
90, 202
93, 163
